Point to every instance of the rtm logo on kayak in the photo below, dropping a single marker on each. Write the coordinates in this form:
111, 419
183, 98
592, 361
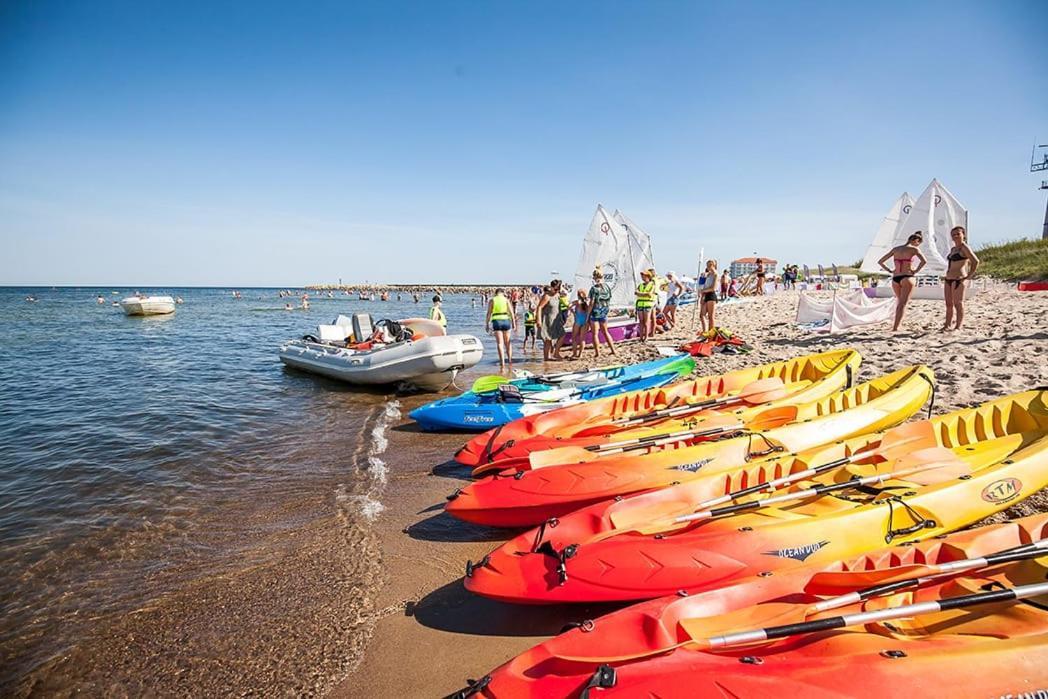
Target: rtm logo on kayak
798, 553
479, 418
1004, 490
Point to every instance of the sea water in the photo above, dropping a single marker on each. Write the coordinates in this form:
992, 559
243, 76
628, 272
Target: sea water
155, 471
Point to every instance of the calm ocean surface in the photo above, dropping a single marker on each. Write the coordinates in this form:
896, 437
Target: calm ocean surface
138, 455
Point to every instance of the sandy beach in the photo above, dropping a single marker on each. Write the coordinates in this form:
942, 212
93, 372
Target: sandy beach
430, 635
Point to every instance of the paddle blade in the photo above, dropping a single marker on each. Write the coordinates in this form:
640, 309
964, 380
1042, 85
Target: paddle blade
560, 455
935, 465
840, 582
772, 417
903, 440
763, 391
486, 384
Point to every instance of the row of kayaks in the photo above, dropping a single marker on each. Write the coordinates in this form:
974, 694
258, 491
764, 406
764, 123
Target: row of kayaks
748, 514
493, 401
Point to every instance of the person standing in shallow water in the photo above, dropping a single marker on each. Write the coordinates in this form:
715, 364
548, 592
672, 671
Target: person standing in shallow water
500, 321
435, 313
529, 328
551, 327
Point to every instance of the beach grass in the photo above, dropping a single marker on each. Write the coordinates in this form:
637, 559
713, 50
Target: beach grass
1016, 260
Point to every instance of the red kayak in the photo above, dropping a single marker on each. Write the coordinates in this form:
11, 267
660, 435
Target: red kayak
637, 548
806, 378
1033, 286
998, 651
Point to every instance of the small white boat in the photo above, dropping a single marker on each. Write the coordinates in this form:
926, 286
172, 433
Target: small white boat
148, 305
420, 354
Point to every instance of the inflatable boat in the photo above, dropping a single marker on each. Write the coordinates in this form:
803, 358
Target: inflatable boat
413, 351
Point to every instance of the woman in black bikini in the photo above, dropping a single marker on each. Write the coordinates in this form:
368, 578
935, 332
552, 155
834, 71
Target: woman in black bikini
960, 256
904, 272
760, 277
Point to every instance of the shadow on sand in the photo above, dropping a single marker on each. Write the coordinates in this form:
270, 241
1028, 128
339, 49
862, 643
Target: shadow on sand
453, 469
445, 528
453, 608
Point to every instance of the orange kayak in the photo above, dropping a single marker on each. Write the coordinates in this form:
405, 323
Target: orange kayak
514, 498
994, 456
989, 652
806, 379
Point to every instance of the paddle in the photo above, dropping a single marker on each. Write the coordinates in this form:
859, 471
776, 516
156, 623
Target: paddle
486, 384
697, 629
709, 633
941, 460
767, 419
914, 464
885, 579
895, 444
761, 391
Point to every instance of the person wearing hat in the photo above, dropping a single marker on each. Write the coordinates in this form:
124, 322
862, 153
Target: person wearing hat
436, 314
597, 323
674, 289
646, 295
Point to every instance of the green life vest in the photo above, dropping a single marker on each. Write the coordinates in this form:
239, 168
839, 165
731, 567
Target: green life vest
500, 308
438, 315
529, 319
645, 295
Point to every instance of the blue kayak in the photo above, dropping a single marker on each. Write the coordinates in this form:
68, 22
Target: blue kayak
515, 399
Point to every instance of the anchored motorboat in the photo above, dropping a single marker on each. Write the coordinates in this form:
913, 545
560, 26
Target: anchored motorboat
358, 350
141, 305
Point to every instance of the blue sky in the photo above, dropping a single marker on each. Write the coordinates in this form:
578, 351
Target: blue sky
259, 143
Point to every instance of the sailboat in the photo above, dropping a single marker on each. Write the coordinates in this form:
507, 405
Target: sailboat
621, 250
934, 213
884, 238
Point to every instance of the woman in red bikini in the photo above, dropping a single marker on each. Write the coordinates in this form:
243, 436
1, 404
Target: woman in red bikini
960, 256
904, 272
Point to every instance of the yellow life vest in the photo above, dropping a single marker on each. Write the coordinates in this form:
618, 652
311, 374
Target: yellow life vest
529, 319
563, 301
500, 308
438, 315
645, 295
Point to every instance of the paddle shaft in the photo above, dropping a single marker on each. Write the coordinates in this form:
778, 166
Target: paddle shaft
799, 495
657, 440
839, 622
667, 435
1019, 553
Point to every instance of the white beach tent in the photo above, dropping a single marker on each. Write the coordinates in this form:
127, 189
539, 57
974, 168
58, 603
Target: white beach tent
845, 310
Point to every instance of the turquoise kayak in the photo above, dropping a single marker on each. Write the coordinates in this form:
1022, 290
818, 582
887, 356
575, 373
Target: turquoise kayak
528, 396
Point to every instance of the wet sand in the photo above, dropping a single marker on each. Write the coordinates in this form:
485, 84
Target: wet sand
430, 635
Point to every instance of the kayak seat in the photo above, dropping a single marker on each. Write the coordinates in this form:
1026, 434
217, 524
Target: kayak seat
508, 393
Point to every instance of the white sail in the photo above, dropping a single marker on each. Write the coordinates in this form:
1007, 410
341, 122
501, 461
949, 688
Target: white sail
641, 255
934, 213
884, 238
606, 247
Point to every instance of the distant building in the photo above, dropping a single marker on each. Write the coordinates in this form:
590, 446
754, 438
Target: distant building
748, 265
